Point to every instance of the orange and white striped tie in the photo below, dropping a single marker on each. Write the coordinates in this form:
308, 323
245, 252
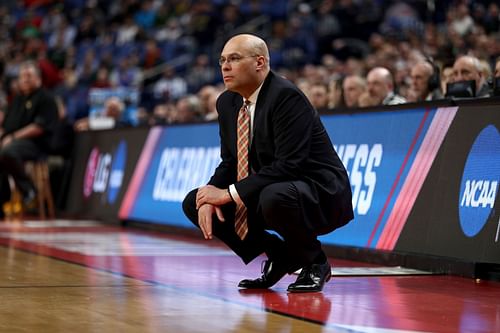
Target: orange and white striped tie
243, 146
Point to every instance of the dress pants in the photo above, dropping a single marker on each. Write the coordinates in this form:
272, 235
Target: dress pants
280, 209
12, 159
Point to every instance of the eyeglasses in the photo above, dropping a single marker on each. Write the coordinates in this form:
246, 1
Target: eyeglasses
234, 59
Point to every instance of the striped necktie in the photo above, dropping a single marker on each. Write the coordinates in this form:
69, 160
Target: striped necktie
243, 146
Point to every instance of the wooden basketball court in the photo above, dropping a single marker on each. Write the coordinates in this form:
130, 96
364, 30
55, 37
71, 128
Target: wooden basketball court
81, 276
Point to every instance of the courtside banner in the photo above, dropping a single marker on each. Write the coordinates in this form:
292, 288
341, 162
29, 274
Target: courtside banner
387, 156
456, 213
380, 150
174, 160
103, 165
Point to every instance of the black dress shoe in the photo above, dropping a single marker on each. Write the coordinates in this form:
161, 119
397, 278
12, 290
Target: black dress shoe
272, 272
312, 278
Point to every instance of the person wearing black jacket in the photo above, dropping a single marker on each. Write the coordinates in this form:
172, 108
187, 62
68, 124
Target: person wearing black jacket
289, 178
26, 127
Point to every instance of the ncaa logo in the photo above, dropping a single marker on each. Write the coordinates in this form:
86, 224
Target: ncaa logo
480, 180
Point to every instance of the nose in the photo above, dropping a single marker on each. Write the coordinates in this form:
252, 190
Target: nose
226, 66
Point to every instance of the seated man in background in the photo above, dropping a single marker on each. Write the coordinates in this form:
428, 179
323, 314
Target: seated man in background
110, 117
318, 96
26, 129
425, 83
496, 78
467, 68
381, 87
353, 86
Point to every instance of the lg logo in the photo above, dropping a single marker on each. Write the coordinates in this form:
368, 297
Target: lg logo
104, 172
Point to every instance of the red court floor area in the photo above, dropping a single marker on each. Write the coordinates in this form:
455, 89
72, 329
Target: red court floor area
186, 284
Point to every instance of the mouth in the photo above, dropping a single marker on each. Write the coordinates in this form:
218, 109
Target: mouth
228, 78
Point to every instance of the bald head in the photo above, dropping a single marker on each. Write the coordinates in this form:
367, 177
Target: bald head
381, 74
251, 44
423, 67
379, 82
468, 68
244, 63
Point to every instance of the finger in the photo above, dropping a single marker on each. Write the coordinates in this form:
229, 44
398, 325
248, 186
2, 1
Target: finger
199, 200
220, 216
208, 227
200, 203
204, 229
198, 196
201, 223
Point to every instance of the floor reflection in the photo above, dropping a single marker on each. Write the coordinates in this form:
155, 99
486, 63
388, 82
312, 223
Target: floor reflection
314, 308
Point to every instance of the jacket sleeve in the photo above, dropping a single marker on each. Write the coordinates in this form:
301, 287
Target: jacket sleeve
225, 173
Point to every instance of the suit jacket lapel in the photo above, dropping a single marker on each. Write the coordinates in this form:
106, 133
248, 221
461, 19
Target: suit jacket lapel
261, 103
259, 116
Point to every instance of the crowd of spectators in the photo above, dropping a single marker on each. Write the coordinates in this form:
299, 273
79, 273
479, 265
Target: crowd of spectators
341, 53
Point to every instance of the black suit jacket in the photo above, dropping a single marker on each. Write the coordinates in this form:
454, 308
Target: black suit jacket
38, 108
289, 144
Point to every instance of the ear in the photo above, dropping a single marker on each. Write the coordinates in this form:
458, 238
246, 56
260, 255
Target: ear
261, 63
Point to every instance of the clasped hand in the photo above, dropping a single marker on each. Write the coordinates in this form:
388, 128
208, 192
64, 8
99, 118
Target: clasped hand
208, 201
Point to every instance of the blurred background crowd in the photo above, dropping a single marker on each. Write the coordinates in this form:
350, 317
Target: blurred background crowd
341, 53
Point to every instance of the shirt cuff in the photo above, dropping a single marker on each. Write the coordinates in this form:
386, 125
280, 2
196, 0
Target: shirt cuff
235, 195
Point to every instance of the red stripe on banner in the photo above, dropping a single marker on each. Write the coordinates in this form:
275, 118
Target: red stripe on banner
398, 176
416, 177
435, 139
139, 172
405, 195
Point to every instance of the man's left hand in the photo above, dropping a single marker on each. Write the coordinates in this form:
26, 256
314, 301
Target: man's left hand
211, 195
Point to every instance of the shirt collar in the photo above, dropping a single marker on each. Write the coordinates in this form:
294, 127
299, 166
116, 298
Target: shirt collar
387, 98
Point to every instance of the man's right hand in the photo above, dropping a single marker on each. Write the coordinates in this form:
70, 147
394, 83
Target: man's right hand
205, 214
